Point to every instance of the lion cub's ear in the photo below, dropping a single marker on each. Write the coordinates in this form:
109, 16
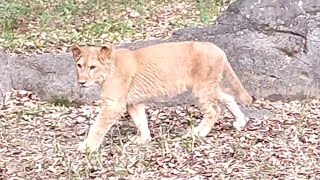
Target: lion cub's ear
76, 51
106, 51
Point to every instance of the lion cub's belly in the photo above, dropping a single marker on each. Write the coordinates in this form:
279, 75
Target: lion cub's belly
150, 88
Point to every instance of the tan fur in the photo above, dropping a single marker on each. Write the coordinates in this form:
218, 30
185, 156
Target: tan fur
130, 78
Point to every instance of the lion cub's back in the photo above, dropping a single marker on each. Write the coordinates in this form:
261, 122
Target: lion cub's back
162, 70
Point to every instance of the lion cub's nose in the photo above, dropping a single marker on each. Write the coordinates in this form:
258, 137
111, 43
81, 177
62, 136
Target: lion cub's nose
82, 83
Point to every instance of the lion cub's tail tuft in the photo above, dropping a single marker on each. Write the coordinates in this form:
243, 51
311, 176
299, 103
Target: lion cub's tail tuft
241, 92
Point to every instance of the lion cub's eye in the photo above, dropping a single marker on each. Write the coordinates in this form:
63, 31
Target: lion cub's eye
92, 67
79, 66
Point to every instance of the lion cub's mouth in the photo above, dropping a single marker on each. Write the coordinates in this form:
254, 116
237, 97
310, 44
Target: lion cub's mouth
83, 85
87, 85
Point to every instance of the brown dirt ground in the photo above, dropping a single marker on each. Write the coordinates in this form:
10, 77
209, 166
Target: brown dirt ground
38, 141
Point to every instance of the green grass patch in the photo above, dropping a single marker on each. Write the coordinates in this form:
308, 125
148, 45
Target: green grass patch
42, 25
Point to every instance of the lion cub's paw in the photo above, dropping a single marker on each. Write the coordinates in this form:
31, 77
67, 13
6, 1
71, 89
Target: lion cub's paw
201, 131
82, 147
239, 124
197, 132
140, 139
85, 146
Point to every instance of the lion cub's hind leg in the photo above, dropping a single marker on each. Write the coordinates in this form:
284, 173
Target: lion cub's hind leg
232, 106
211, 110
139, 117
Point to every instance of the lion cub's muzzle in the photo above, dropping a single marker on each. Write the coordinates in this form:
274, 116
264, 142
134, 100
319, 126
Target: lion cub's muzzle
82, 84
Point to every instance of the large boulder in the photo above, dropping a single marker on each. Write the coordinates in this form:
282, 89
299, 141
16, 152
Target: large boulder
51, 77
274, 47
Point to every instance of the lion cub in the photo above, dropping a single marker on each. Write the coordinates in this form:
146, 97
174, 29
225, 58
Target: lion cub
129, 78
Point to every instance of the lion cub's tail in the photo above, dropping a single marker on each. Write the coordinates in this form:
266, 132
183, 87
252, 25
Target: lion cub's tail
236, 85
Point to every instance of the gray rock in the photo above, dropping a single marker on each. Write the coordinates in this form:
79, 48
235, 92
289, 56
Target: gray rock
274, 47
51, 77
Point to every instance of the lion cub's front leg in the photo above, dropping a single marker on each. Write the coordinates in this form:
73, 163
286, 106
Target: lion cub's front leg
138, 115
107, 117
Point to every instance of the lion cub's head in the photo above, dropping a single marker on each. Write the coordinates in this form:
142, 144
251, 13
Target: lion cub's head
93, 64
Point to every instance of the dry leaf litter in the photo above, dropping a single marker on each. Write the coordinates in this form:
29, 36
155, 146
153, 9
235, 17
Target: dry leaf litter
31, 27
38, 141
